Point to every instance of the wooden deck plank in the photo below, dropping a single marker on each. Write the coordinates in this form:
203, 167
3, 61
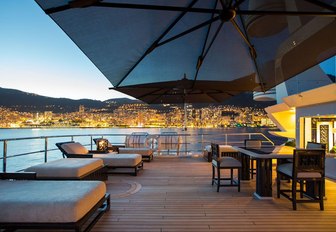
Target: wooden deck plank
176, 195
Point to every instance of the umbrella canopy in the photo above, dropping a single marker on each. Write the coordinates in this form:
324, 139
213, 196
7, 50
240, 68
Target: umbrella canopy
188, 91
144, 41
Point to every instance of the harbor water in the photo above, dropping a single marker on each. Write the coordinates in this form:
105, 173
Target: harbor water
16, 162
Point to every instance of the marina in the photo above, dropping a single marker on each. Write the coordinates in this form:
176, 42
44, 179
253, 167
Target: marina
19, 142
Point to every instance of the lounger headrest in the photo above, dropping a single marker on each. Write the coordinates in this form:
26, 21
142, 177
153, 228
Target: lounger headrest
75, 148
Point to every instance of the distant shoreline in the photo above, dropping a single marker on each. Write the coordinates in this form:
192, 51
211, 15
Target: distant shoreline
128, 127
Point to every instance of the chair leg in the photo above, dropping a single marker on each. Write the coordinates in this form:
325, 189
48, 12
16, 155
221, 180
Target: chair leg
294, 194
239, 175
321, 194
213, 175
278, 184
301, 182
252, 168
218, 179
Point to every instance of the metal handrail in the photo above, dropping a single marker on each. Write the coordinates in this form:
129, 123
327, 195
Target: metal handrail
189, 145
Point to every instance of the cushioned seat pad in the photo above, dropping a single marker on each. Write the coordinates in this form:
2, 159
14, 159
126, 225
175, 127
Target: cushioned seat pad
66, 168
48, 201
226, 148
228, 162
119, 160
288, 170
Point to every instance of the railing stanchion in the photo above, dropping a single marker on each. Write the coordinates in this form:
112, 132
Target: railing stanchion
45, 149
4, 156
186, 145
91, 142
226, 139
202, 142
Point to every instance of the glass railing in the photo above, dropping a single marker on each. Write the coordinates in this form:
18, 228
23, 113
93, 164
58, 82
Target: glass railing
20, 153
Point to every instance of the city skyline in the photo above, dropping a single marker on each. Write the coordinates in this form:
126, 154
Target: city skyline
139, 115
38, 57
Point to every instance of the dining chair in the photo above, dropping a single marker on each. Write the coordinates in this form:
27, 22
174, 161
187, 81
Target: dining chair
221, 163
252, 144
307, 170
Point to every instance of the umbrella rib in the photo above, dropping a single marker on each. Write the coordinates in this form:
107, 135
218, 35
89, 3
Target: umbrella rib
322, 4
212, 98
189, 31
208, 32
97, 3
155, 43
230, 3
252, 49
253, 52
150, 93
207, 51
213, 39
222, 3
159, 95
200, 58
237, 3
288, 13
81, 4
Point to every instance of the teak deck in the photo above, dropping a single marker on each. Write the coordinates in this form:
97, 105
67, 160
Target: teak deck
175, 194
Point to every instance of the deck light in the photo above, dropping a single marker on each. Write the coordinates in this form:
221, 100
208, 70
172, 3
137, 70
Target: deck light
102, 144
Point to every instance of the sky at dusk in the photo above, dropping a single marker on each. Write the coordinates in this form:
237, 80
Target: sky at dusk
38, 57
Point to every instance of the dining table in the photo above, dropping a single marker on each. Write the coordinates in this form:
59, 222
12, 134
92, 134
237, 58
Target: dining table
264, 157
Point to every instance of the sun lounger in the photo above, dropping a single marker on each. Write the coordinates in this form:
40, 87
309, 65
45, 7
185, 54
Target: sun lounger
116, 163
135, 143
37, 204
71, 169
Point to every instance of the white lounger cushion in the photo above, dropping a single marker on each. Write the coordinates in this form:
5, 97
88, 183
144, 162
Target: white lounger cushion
119, 160
48, 201
66, 168
140, 150
75, 148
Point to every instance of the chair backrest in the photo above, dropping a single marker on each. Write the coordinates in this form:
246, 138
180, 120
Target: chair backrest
252, 143
136, 140
313, 145
307, 161
72, 148
215, 151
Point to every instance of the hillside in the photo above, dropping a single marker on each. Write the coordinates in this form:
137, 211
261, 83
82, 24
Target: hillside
23, 101
30, 102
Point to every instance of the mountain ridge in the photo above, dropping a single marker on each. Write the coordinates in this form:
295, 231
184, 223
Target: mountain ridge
31, 102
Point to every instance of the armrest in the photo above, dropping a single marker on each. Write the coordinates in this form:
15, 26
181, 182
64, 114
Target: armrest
18, 175
78, 156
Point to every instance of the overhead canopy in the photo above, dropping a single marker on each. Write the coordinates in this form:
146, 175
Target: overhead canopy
187, 91
133, 41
